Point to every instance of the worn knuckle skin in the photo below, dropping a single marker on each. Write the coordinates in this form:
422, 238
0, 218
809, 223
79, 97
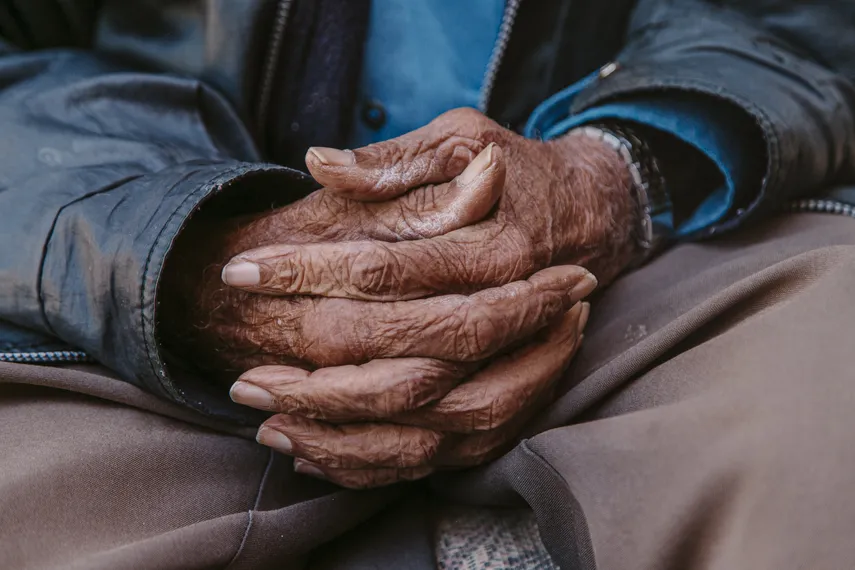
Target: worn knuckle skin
261, 330
372, 478
521, 259
454, 154
487, 414
402, 447
504, 255
288, 273
424, 381
375, 273
432, 380
416, 449
305, 404
413, 392
480, 334
351, 447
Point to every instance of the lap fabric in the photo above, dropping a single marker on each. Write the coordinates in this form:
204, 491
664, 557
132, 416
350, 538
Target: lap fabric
705, 423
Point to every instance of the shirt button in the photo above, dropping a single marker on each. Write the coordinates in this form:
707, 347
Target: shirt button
373, 114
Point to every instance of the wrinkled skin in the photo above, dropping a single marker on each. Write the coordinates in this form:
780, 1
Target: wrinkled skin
402, 387
324, 427
565, 201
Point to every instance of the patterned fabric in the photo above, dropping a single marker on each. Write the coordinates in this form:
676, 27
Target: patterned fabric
469, 538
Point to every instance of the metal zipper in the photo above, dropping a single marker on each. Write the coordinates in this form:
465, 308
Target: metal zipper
822, 207
498, 52
50, 357
271, 61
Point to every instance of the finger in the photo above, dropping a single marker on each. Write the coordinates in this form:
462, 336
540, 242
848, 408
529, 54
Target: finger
453, 327
431, 211
468, 259
311, 332
509, 386
432, 154
361, 478
350, 446
424, 212
483, 446
375, 390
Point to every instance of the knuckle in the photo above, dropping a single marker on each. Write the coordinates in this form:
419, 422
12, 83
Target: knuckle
407, 396
289, 273
479, 336
498, 413
431, 381
483, 409
374, 273
489, 415
464, 114
518, 257
417, 449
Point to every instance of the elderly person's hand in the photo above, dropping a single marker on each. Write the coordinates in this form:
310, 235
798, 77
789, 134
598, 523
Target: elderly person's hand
350, 424
227, 331
563, 201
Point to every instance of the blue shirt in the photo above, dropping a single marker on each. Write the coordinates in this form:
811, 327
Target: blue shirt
425, 57
422, 58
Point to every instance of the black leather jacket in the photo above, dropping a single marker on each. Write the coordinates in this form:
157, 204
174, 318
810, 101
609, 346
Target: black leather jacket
119, 118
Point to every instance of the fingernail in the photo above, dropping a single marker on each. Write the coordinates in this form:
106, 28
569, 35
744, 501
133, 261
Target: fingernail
241, 274
251, 395
333, 156
275, 439
304, 468
583, 318
477, 166
583, 288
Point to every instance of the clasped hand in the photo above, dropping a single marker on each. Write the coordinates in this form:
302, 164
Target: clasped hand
418, 310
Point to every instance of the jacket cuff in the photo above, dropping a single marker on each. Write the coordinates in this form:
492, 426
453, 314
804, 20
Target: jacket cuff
798, 149
691, 126
119, 297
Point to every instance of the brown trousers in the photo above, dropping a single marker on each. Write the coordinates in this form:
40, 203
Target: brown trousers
708, 422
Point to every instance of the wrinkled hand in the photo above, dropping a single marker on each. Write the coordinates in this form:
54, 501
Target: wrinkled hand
415, 354
563, 201
406, 437
230, 331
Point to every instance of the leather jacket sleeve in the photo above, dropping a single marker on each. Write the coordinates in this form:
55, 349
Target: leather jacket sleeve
789, 64
101, 164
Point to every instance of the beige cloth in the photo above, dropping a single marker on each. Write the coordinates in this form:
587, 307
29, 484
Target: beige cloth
707, 423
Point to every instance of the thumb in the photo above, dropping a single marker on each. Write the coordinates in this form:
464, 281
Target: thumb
433, 154
432, 211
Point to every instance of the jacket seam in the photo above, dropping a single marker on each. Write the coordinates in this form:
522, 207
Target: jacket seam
40, 276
